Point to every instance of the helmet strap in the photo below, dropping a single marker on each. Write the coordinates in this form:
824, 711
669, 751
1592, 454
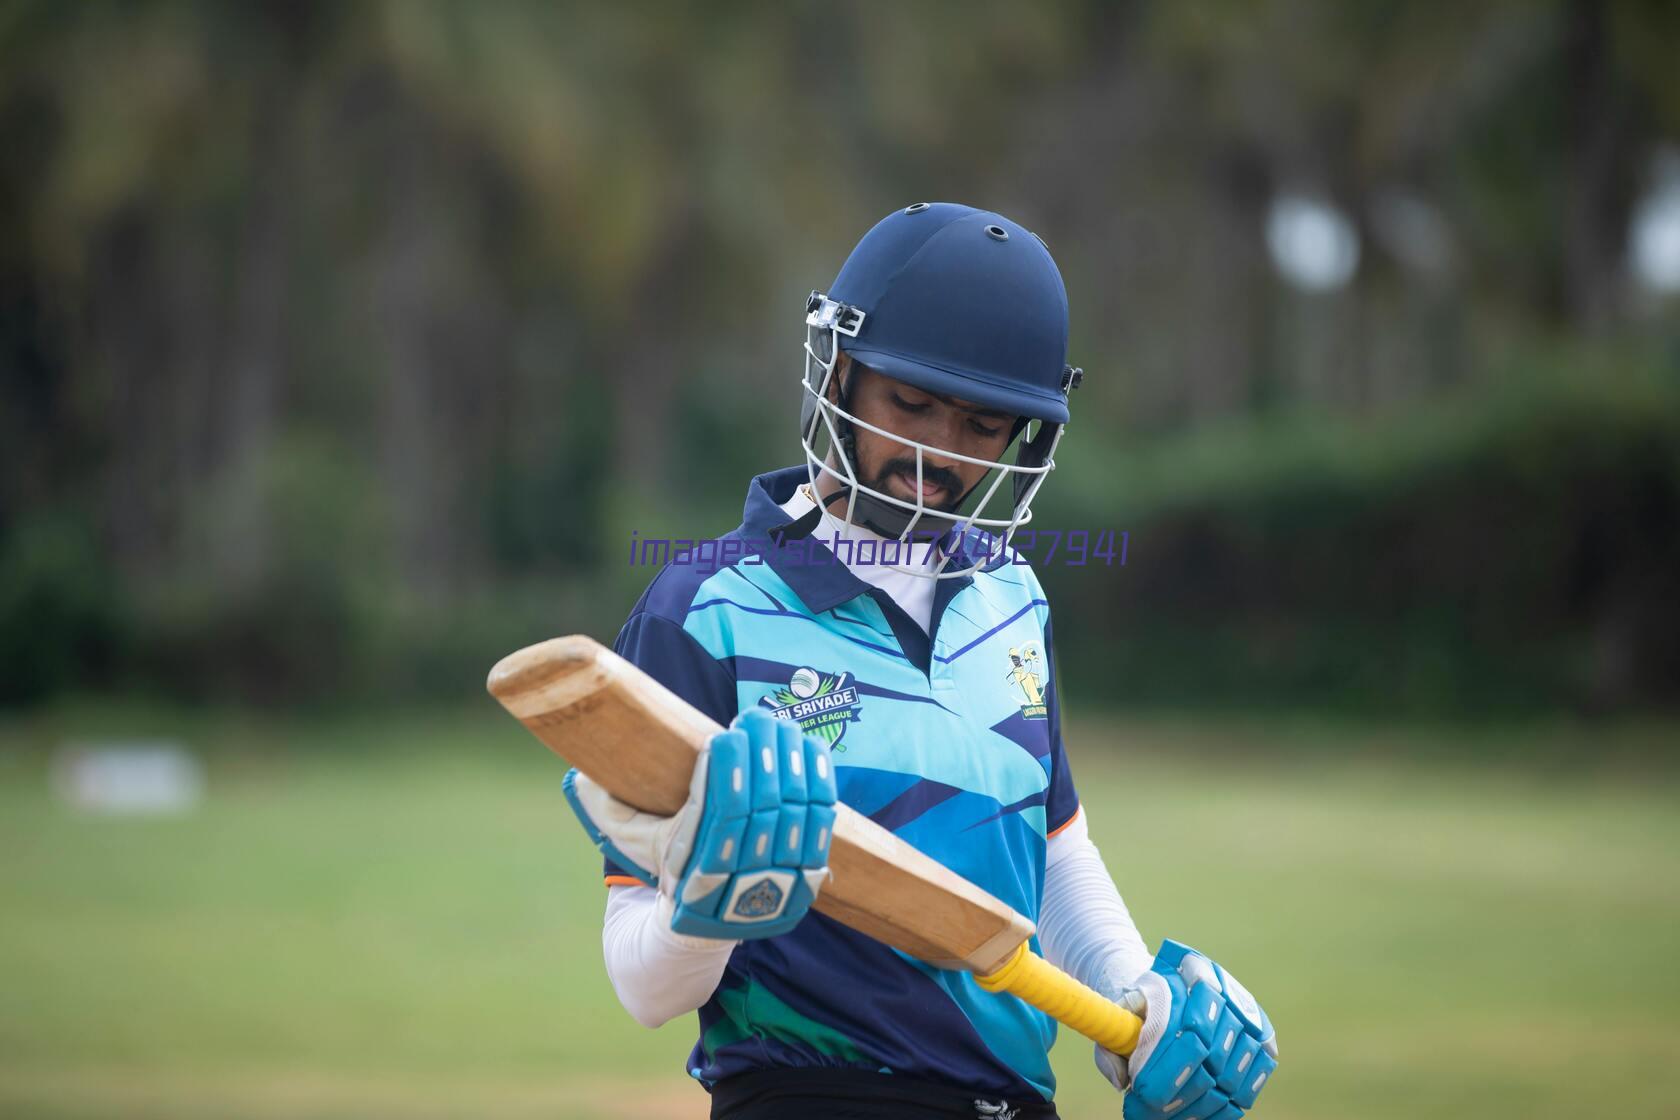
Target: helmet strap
843, 426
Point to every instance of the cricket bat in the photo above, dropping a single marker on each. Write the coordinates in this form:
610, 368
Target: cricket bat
638, 740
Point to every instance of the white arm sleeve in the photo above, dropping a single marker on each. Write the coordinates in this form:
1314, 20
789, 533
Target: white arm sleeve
657, 973
1083, 925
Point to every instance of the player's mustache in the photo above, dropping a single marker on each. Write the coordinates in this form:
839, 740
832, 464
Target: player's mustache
938, 476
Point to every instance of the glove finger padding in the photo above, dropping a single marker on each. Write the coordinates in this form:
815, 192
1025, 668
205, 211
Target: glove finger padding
726, 800
757, 867
820, 797
1206, 1048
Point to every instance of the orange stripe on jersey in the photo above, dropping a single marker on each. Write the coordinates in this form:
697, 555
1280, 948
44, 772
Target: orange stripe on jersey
624, 881
1063, 826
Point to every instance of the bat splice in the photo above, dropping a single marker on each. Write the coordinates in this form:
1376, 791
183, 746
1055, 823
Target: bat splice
638, 741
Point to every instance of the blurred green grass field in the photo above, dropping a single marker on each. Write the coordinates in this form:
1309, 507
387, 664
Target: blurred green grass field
377, 919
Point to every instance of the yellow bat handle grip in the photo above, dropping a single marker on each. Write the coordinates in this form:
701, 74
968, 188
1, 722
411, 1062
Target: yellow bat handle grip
1035, 980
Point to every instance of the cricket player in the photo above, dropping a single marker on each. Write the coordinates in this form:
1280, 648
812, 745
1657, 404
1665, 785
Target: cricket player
865, 636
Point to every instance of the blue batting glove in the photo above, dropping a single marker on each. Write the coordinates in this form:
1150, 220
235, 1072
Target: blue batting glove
1206, 1048
747, 854
761, 850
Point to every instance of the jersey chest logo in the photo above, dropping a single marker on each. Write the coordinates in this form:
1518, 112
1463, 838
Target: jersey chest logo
1024, 674
823, 704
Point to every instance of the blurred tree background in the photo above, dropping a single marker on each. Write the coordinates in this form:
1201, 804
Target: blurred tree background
342, 346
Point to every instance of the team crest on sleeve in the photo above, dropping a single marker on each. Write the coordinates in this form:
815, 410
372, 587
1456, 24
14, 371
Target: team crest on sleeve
823, 704
1025, 674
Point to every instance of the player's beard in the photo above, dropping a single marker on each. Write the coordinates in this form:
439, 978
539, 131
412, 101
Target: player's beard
906, 468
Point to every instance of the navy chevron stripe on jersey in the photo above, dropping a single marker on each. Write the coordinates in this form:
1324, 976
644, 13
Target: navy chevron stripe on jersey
912, 803
952, 740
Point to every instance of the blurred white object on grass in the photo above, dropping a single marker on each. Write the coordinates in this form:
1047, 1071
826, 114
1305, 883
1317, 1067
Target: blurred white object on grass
151, 778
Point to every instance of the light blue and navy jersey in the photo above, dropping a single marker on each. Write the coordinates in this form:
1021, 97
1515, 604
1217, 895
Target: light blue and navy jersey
953, 742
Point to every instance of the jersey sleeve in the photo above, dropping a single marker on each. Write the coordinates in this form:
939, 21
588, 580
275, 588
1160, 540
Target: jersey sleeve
670, 655
1061, 803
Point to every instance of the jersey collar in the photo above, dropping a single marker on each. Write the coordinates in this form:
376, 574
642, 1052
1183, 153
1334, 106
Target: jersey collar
820, 585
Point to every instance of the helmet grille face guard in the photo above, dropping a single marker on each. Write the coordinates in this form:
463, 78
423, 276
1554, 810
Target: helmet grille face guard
828, 435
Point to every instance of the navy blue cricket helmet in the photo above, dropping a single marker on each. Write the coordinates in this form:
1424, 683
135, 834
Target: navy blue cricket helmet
956, 301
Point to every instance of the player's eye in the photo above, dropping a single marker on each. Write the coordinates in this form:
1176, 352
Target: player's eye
982, 431
908, 406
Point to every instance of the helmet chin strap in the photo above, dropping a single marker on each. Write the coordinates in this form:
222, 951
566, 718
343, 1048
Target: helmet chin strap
891, 521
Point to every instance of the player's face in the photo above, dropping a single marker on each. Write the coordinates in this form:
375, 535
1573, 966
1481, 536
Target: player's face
931, 419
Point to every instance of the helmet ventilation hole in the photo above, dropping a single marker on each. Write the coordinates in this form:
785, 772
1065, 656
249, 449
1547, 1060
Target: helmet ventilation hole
916, 207
997, 233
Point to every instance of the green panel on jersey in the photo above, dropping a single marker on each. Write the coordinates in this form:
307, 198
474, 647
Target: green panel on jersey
753, 1011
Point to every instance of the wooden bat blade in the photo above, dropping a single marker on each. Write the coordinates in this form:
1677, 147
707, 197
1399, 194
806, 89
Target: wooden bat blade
624, 729
638, 740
